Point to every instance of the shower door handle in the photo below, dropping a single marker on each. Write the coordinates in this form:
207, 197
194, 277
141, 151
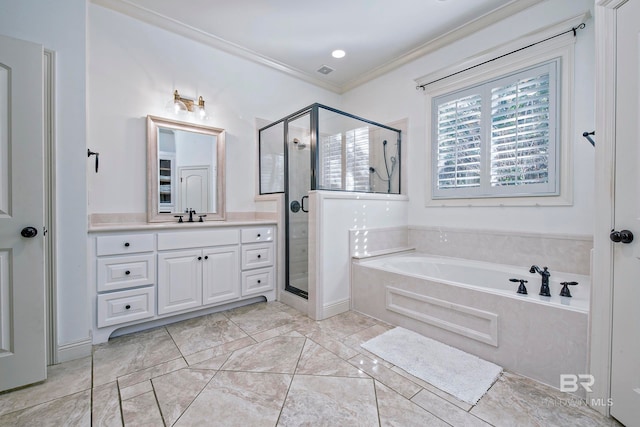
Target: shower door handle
302, 207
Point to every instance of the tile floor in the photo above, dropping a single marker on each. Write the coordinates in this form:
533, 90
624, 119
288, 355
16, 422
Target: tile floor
265, 365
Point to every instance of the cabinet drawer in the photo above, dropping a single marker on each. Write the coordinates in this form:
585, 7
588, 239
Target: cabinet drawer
124, 244
256, 281
126, 272
125, 306
258, 234
256, 256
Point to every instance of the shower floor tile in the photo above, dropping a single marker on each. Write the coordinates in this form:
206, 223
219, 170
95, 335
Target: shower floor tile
268, 365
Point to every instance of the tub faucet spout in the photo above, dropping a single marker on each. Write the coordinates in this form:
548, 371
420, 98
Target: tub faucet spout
544, 287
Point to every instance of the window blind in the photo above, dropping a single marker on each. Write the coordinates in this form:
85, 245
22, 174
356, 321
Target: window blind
520, 132
331, 162
497, 138
357, 159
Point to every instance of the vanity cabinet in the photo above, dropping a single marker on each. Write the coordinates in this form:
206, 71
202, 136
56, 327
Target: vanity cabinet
257, 260
177, 273
132, 277
194, 278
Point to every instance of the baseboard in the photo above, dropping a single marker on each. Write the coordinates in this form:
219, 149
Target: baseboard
292, 300
330, 310
74, 350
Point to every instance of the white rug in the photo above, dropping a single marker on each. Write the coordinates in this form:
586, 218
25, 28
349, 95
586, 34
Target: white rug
460, 374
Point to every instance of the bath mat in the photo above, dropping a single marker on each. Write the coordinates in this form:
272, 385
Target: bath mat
460, 374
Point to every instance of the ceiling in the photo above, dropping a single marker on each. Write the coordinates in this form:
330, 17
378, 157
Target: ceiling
297, 37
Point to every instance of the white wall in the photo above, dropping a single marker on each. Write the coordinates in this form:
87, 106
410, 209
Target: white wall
394, 96
133, 69
61, 27
332, 215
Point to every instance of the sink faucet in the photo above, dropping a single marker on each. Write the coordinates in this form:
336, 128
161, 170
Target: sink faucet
190, 212
544, 288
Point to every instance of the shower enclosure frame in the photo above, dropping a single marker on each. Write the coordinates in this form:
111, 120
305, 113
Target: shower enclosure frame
314, 129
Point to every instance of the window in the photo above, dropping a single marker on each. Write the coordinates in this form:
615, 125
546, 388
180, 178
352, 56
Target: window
498, 138
352, 147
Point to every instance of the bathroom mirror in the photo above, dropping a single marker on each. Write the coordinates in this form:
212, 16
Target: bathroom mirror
185, 171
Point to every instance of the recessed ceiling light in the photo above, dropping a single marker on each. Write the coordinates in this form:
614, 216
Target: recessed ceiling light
338, 53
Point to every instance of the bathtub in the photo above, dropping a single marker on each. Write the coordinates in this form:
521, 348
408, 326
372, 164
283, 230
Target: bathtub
472, 305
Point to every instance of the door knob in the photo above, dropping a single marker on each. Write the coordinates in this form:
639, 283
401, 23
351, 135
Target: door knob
29, 232
623, 236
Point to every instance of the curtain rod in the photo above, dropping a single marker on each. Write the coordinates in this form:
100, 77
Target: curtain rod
573, 30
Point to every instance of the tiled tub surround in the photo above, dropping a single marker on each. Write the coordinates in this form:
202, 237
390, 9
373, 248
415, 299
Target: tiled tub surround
375, 241
521, 333
268, 365
567, 253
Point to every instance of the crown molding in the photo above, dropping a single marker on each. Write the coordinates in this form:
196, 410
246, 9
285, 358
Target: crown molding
170, 24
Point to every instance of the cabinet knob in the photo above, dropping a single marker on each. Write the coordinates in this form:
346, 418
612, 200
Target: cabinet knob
259, 256
199, 258
127, 272
258, 280
127, 307
126, 244
206, 257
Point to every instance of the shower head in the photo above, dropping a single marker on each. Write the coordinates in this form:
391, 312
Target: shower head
298, 144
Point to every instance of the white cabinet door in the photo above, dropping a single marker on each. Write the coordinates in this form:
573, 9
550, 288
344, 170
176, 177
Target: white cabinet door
221, 274
179, 280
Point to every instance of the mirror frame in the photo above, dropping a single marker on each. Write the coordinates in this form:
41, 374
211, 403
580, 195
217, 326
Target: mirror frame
153, 125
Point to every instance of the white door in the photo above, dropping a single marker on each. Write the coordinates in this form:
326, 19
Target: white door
625, 354
22, 289
179, 280
220, 275
194, 189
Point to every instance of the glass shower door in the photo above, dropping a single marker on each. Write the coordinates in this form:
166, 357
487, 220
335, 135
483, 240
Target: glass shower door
298, 184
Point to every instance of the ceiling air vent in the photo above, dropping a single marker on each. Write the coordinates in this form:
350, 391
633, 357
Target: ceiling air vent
325, 69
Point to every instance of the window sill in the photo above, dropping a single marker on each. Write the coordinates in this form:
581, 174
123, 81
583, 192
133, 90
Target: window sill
560, 200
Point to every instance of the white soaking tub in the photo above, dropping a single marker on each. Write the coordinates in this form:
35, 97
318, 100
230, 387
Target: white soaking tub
473, 306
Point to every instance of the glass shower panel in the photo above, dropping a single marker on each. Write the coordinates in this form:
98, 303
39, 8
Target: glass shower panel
272, 158
357, 155
298, 143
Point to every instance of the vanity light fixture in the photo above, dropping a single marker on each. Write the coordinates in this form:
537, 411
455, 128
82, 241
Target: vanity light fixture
179, 105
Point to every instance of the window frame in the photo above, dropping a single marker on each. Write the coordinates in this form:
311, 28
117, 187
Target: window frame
560, 49
484, 91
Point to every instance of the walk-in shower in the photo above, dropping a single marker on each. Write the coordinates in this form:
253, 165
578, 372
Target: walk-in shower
321, 148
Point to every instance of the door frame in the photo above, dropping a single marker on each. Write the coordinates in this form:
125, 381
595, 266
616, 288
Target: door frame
50, 272
601, 313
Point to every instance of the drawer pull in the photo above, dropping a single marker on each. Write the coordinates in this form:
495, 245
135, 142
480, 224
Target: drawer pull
259, 256
126, 244
127, 307
258, 234
258, 280
127, 272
